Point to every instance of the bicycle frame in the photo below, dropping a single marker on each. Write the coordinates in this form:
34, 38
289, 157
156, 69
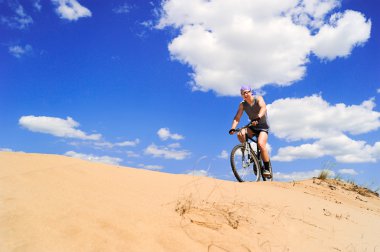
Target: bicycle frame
258, 152
247, 143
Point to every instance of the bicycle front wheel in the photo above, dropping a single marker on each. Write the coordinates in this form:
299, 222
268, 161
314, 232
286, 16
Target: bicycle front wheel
244, 164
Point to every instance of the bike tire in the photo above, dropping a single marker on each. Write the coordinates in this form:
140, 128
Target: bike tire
244, 174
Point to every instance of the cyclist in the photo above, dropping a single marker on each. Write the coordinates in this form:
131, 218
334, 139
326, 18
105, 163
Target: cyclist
255, 108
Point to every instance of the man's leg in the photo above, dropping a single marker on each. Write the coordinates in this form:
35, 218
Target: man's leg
241, 134
262, 142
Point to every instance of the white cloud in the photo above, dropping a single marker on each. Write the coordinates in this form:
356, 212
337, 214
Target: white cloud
19, 51
312, 118
148, 24
122, 9
165, 152
119, 144
344, 32
202, 173
92, 158
37, 5
291, 153
348, 171
20, 20
341, 147
9, 150
174, 145
71, 9
223, 154
128, 143
132, 154
99, 144
269, 148
165, 134
347, 150
151, 167
312, 12
229, 43
299, 175
378, 90
55, 126
104, 145
6, 149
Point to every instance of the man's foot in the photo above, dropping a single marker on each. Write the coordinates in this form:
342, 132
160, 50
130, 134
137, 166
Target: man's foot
267, 169
266, 173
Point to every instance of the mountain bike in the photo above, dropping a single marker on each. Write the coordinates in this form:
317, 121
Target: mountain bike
246, 163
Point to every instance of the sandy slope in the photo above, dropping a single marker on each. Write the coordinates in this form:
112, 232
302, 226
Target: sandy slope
56, 203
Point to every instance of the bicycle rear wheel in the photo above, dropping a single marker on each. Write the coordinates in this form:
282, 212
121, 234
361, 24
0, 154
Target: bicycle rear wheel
245, 167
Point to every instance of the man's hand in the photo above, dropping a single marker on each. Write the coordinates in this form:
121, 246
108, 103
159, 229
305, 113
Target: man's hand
232, 131
255, 121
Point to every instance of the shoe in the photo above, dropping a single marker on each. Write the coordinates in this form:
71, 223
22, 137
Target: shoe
266, 173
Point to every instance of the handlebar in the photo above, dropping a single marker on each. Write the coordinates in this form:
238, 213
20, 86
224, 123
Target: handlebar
244, 127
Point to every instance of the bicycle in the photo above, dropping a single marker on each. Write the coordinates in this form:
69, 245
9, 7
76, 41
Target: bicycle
247, 164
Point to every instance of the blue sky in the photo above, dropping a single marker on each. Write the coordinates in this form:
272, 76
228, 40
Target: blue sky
155, 84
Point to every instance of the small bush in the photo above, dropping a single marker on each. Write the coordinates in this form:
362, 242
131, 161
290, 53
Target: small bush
323, 174
338, 177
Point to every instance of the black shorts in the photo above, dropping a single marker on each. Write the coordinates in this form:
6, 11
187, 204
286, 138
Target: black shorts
257, 131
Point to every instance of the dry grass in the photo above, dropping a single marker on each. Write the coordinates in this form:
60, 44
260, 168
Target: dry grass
211, 208
359, 189
349, 186
324, 174
212, 214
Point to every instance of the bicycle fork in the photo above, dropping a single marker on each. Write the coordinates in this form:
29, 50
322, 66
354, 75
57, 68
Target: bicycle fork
246, 150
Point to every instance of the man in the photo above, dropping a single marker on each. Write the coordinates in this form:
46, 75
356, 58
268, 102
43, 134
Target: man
256, 110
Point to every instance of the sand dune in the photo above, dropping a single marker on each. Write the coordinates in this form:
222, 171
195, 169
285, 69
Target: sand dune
57, 203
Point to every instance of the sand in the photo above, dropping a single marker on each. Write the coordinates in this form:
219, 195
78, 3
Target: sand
58, 203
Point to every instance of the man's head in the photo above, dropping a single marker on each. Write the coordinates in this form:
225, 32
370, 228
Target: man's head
245, 89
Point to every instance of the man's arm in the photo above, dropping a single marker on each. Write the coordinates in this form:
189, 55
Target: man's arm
237, 117
263, 106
